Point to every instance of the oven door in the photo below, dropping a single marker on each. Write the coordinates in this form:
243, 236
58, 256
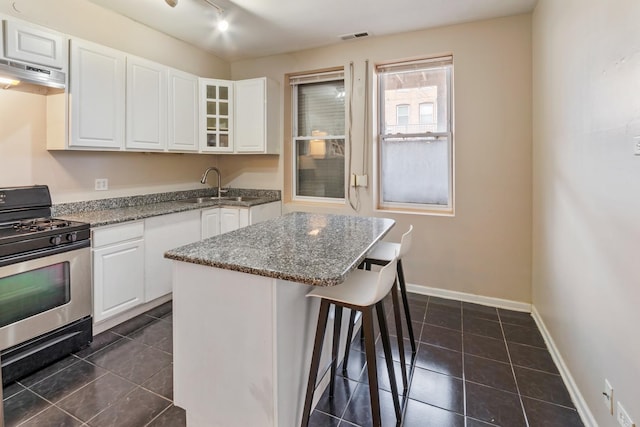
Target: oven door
40, 295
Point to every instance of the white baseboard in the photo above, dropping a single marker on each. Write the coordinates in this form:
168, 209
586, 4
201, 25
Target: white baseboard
463, 296
576, 396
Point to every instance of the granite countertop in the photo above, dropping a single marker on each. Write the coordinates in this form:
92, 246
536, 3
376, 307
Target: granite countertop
315, 249
122, 209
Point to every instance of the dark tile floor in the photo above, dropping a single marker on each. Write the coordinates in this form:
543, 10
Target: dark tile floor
475, 366
124, 379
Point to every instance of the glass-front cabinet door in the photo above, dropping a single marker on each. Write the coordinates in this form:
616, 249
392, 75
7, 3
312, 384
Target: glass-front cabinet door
216, 127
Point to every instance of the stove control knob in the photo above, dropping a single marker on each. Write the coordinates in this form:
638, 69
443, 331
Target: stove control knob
56, 240
72, 237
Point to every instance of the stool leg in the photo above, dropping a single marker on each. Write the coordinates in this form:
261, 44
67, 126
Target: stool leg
315, 361
384, 332
367, 266
370, 348
398, 320
345, 361
405, 302
337, 325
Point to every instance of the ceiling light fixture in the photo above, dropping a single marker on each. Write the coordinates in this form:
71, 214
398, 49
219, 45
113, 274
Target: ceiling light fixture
223, 24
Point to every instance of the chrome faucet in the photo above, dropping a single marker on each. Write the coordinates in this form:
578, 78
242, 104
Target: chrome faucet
203, 180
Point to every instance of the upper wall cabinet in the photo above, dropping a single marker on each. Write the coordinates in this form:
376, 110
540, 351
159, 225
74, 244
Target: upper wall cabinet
35, 45
146, 107
239, 116
256, 116
216, 119
157, 112
183, 111
96, 96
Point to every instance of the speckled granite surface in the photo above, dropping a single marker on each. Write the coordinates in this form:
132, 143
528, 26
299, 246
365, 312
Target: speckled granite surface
121, 209
316, 249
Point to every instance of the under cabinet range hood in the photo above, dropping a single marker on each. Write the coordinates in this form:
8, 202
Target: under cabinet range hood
30, 78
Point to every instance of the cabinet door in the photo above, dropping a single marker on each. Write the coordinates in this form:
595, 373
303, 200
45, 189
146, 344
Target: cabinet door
257, 116
96, 87
250, 132
96, 94
183, 111
35, 45
229, 219
118, 278
216, 116
146, 104
162, 233
210, 223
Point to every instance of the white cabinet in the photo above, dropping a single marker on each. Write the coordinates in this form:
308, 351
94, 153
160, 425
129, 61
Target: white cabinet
216, 116
146, 105
233, 218
118, 269
256, 116
264, 212
96, 96
183, 111
239, 116
33, 44
210, 222
162, 233
222, 220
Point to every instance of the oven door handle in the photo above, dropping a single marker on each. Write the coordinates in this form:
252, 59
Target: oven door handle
40, 253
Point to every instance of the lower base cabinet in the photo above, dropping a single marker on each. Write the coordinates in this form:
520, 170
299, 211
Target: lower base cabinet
118, 269
222, 220
129, 268
162, 233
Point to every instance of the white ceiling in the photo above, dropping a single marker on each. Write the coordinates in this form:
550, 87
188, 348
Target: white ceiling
266, 27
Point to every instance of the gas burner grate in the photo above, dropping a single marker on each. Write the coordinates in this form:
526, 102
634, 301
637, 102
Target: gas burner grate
41, 224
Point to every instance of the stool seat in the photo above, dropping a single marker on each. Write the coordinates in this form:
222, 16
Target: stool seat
358, 290
384, 251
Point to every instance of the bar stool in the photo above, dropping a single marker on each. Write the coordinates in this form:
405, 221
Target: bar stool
381, 254
362, 291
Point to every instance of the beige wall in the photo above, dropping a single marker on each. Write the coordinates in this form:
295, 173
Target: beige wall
24, 159
486, 248
586, 207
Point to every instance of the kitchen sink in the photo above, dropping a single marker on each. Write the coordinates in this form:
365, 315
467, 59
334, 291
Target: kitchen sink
197, 200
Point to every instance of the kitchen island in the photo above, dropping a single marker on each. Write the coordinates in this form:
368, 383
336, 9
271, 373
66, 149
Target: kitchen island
242, 327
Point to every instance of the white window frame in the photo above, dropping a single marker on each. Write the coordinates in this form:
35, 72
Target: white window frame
415, 208
295, 81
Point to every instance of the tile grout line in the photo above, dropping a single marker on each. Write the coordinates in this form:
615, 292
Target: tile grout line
464, 376
513, 372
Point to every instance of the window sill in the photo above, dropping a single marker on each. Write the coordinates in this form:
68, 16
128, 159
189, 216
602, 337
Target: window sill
425, 212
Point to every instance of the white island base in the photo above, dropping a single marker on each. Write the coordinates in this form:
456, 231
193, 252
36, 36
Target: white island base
242, 347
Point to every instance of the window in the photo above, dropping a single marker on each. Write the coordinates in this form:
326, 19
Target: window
402, 115
426, 113
415, 160
318, 136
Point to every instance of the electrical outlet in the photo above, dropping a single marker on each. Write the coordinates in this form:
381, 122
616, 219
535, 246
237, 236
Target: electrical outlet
636, 145
607, 396
102, 184
623, 418
352, 182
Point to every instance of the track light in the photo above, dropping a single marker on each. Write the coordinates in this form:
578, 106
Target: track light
223, 24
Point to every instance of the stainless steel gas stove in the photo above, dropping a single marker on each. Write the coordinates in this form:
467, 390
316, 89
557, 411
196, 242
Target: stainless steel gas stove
45, 283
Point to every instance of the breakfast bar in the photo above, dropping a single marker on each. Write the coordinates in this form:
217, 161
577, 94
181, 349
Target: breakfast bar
243, 329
